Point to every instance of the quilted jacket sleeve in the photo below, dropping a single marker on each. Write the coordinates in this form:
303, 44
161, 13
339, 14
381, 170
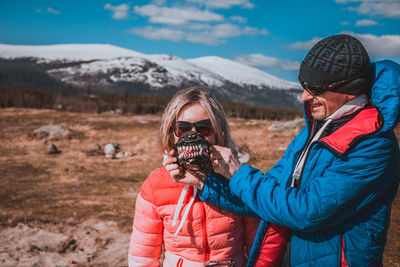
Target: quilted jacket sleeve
216, 191
146, 238
347, 187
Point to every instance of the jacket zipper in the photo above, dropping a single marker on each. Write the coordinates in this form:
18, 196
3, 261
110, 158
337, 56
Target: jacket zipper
305, 162
343, 261
205, 240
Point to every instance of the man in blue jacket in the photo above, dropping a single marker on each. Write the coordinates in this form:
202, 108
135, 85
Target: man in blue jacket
337, 180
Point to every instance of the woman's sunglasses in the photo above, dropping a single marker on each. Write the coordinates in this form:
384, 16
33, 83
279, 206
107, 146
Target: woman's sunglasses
316, 90
204, 127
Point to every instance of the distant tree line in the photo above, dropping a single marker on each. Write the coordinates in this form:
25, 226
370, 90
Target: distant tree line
124, 104
27, 73
237, 110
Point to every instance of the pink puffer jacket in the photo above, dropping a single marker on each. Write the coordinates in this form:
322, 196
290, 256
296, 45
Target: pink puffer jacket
207, 233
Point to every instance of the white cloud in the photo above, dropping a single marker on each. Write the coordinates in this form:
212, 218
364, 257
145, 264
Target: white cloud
158, 2
119, 12
379, 46
203, 38
198, 26
376, 46
385, 8
176, 16
305, 45
193, 24
153, 33
219, 33
225, 30
263, 61
366, 22
176, 35
197, 33
223, 4
390, 9
48, 10
254, 31
52, 11
350, 1
344, 23
239, 19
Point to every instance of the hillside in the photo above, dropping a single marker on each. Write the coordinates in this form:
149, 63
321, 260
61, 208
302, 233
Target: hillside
98, 68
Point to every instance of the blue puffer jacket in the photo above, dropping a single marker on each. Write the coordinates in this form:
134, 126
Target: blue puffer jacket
341, 212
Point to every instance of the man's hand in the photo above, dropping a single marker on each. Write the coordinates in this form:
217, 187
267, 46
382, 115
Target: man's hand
223, 161
179, 175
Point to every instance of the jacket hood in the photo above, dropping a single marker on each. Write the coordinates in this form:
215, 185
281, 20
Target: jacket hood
385, 92
383, 116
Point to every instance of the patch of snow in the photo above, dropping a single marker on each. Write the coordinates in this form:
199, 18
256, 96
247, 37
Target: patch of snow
181, 68
120, 64
126, 69
241, 74
67, 52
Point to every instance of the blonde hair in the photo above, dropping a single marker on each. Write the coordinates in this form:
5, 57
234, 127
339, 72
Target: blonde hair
214, 110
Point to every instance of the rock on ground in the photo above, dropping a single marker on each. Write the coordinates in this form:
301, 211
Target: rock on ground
53, 132
291, 126
88, 244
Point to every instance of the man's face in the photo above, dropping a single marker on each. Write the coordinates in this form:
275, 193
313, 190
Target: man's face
324, 105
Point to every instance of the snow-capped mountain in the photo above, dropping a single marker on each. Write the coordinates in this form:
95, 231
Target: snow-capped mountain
108, 68
66, 52
241, 74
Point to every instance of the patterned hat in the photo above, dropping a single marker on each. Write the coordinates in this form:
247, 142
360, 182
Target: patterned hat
338, 58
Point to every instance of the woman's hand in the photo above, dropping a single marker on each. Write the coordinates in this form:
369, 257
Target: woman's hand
172, 166
223, 161
179, 175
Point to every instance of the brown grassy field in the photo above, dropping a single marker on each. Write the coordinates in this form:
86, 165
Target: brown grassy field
87, 202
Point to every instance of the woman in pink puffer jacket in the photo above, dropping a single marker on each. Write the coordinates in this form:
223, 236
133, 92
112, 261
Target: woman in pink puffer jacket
170, 215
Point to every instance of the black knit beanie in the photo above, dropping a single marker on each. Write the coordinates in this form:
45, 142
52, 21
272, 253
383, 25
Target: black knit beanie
337, 58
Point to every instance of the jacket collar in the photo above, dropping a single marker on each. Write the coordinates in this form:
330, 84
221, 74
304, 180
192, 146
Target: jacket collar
366, 121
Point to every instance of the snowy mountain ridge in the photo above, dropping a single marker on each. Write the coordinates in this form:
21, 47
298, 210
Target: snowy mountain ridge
67, 52
210, 70
105, 68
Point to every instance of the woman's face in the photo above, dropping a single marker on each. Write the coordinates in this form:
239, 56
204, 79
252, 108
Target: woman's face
195, 113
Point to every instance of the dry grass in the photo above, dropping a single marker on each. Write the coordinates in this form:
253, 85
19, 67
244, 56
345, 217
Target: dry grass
74, 187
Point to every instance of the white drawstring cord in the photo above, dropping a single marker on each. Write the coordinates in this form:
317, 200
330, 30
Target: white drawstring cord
187, 209
179, 205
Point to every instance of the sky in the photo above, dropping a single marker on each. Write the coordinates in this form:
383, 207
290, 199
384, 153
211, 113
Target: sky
273, 36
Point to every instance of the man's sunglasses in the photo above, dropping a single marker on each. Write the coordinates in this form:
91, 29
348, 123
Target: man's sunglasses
204, 127
316, 90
